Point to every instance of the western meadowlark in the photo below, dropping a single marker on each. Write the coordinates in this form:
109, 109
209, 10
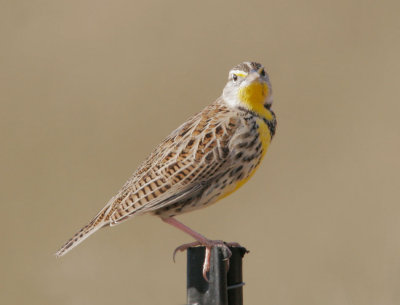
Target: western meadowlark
204, 160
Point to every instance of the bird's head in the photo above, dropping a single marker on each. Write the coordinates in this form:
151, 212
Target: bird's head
249, 87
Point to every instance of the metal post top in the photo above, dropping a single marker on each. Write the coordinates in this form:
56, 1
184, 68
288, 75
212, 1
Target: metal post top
224, 286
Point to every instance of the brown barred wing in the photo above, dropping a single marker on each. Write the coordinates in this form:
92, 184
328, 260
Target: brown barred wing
181, 166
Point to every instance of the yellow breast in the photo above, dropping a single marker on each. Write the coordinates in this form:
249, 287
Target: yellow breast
265, 138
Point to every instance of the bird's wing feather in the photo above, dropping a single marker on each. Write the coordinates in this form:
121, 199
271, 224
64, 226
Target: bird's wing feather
180, 166
120, 214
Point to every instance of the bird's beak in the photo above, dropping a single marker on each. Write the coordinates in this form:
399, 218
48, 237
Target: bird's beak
253, 77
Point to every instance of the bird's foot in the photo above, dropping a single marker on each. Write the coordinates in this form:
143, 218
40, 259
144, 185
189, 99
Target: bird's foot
209, 244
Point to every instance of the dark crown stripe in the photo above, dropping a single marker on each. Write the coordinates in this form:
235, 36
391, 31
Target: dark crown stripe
247, 66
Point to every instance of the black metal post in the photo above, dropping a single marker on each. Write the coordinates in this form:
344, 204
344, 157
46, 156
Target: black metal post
225, 286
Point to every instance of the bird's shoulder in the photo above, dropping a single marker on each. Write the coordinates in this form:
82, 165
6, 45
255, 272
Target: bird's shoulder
204, 137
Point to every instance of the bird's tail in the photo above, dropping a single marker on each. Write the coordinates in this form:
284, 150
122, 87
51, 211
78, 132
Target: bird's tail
96, 224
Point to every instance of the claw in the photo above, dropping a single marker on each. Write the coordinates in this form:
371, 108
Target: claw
206, 264
208, 245
184, 247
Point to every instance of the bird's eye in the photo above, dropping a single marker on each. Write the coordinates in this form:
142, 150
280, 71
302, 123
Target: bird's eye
234, 77
262, 73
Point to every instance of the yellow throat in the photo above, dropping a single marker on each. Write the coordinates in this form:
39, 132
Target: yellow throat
253, 96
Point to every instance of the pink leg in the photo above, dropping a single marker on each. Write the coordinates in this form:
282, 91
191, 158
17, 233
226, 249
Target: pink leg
201, 240
197, 236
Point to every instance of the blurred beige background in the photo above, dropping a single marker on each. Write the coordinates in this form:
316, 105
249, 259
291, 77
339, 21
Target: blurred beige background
88, 88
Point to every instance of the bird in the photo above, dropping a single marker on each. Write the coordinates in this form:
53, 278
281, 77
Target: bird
204, 160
